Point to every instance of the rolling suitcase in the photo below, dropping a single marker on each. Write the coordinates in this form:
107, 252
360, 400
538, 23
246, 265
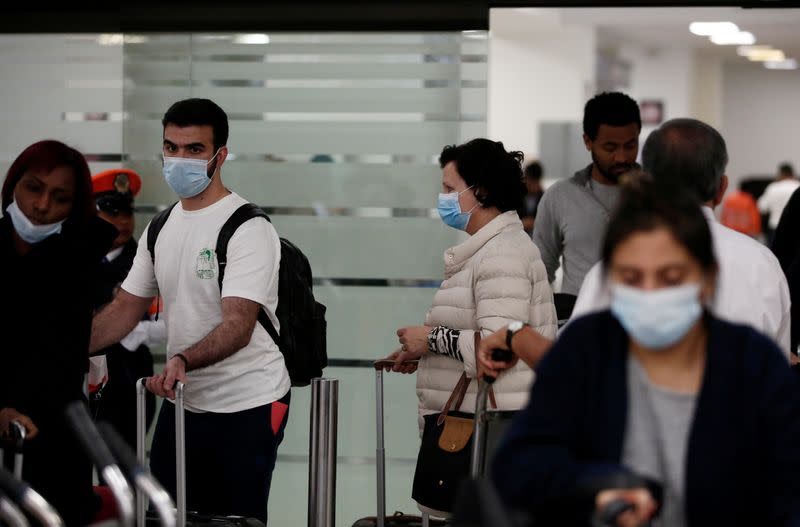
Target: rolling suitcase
10, 513
398, 519
15, 494
184, 517
477, 502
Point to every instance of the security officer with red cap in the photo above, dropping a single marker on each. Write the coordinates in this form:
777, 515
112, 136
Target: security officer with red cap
114, 398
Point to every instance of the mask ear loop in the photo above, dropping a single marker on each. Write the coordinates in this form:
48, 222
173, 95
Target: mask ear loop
210, 160
478, 204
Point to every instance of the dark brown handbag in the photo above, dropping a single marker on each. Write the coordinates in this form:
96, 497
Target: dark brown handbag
445, 452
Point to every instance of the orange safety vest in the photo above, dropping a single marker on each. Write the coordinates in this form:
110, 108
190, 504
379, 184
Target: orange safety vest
740, 213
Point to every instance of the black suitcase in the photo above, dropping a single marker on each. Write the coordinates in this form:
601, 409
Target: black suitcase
184, 518
11, 513
398, 519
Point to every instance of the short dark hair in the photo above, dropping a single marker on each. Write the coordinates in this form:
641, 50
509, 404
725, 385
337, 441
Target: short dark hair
47, 156
199, 112
689, 153
534, 171
647, 204
612, 109
495, 173
786, 168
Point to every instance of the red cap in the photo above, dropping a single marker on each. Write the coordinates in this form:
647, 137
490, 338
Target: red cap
121, 180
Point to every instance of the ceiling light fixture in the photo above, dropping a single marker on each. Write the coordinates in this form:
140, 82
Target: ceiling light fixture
766, 55
787, 64
251, 38
706, 29
110, 39
742, 38
479, 34
745, 51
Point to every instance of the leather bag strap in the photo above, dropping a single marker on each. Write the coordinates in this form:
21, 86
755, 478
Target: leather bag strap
458, 394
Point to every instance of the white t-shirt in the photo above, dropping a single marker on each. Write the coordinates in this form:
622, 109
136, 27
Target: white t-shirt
775, 198
185, 275
751, 286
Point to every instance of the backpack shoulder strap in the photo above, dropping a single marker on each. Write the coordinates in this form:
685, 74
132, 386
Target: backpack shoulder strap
155, 226
242, 214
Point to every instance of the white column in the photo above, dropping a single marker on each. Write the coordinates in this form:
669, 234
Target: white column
540, 69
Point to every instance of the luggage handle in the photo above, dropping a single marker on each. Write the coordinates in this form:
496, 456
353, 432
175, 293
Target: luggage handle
31, 501
95, 447
139, 475
382, 364
18, 434
180, 450
380, 452
10, 514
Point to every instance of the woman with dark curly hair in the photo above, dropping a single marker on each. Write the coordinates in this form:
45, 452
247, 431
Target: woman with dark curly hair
493, 278
51, 246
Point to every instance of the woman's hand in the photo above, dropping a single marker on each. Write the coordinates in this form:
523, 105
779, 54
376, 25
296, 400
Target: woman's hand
413, 341
644, 506
413, 344
10, 414
487, 366
399, 356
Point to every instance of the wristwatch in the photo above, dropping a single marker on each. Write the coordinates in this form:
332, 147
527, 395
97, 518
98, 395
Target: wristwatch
513, 328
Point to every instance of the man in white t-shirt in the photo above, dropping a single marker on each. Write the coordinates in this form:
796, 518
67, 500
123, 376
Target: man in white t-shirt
776, 196
237, 386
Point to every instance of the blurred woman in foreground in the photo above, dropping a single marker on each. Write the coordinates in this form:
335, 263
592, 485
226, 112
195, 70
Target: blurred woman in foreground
51, 246
690, 419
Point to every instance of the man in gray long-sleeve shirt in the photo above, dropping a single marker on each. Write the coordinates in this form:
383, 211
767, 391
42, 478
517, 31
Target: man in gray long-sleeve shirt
573, 213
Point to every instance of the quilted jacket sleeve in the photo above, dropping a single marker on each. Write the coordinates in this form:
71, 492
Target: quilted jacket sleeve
510, 283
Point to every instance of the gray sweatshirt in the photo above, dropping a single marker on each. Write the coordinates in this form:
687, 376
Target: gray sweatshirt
571, 222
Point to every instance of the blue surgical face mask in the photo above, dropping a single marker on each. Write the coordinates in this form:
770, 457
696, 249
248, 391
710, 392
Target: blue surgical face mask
187, 177
656, 319
27, 230
450, 210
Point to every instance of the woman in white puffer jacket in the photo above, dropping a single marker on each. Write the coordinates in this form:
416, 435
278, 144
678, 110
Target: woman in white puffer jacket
493, 278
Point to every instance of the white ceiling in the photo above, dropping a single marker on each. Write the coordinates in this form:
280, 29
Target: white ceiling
664, 27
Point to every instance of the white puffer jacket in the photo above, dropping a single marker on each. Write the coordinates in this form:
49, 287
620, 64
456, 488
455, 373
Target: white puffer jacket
494, 277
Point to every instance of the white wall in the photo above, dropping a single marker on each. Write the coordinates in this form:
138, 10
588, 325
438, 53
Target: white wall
539, 70
663, 74
706, 103
760, 119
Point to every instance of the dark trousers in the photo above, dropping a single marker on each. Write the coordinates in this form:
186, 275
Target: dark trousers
229, 457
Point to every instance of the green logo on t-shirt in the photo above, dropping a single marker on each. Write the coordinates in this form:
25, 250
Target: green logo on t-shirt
205, 264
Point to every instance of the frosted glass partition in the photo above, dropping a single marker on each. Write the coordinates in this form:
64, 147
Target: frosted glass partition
64, 87
337, 137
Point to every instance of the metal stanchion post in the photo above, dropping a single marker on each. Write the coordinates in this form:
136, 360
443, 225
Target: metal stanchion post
141, 434
380, 452
322, 452
180, 453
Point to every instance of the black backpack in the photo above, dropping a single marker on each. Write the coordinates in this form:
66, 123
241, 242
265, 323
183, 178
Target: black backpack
302, 319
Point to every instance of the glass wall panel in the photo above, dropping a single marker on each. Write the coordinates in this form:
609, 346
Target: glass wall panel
64, 87
337, 136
